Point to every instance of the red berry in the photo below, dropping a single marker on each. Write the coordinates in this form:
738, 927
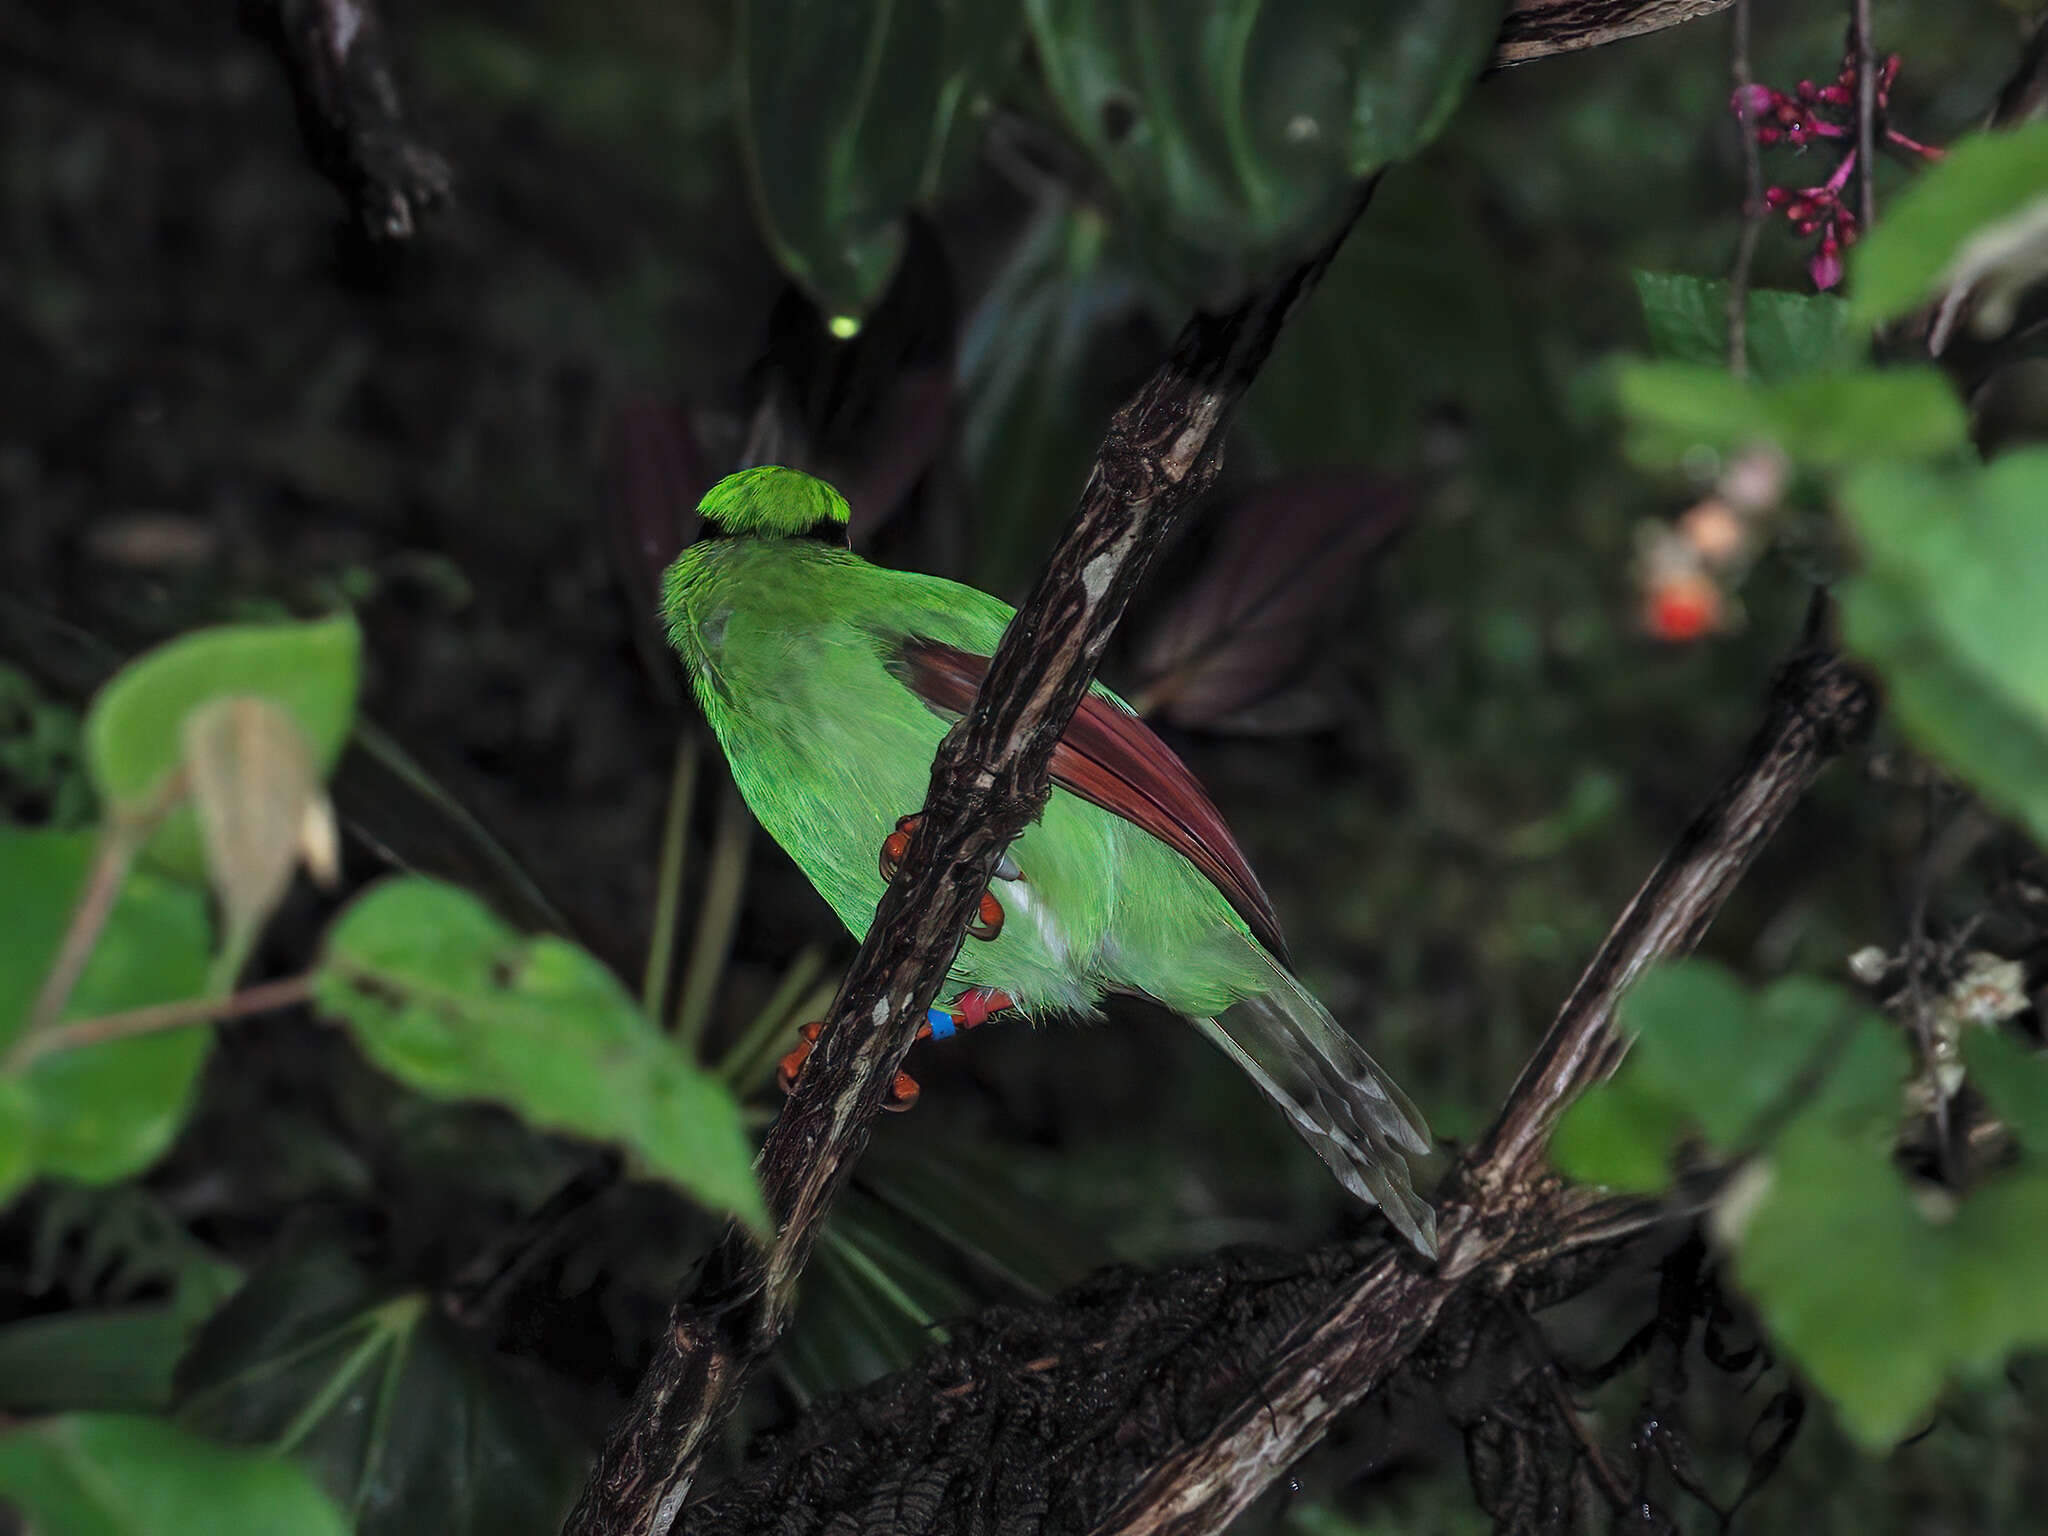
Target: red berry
1682, 607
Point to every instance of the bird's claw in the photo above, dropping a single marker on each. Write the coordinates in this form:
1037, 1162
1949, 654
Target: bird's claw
970, 1009
903, 1089
988, 917
896, 845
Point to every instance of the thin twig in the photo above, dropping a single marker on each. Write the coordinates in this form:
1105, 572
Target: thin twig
1618, 1493
122, 837
1752, 198
1865, 48
285, 993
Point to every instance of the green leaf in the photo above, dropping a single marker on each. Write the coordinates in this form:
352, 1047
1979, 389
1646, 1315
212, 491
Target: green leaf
1824, 421
1948, 607
874, 1301
1985, 181
1726, 1061
1787, 333
99, 1112
112, 1475
1622, 1137
391, 1407
2015, 1080
1236, 130
116, 1359
447, 999
1878, 1302
1835, 1258
849, 111
134, 731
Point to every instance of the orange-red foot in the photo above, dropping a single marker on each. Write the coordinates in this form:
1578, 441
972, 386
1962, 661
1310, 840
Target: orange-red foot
988, 916
903, 1089
977, 1005
896, 845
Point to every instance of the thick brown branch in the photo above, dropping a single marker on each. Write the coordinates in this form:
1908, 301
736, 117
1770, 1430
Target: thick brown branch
349, 110
1218, 1376
1501, 1204
988, 783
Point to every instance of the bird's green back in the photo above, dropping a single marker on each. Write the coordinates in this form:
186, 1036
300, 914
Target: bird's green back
787, 641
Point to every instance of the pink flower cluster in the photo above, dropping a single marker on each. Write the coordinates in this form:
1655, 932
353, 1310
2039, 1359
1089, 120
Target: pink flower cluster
1813, 114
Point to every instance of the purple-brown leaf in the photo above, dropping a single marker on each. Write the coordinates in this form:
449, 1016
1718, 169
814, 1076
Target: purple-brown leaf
655, 474
1245, 628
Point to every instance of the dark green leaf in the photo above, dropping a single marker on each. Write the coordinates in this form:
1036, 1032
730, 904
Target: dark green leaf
1787, 333
112, 1361
383, 1400
848, 110
449, 1000
100, 1112
1991, 187
134, 733
1236, 130
111, 1475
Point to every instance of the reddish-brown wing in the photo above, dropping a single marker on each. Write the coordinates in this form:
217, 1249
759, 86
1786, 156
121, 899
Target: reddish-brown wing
1112, 759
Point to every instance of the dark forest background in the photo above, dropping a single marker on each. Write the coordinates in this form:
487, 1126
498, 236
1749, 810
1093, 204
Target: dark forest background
1449, 747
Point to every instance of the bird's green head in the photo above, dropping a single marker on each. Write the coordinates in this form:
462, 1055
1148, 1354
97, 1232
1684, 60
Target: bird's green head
771, 502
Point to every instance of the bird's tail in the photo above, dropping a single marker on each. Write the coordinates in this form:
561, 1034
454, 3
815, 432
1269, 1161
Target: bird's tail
1334, 1095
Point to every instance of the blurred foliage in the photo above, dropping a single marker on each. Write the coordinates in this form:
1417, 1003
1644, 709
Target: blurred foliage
226, 411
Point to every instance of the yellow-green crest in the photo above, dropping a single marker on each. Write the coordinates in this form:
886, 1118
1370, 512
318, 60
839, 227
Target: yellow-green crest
774, 502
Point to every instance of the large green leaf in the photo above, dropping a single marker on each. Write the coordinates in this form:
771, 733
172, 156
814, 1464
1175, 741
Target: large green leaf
1877, 1301
116, 1359
446, 998
406, 1424
134, 734
1236, 130
1949, 607
1823, 420
100, 1112
1786, 333
1989, 187
112, 1475
848, 110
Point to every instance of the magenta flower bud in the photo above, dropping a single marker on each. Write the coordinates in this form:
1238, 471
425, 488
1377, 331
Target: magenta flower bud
1752, 101
1825, 268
